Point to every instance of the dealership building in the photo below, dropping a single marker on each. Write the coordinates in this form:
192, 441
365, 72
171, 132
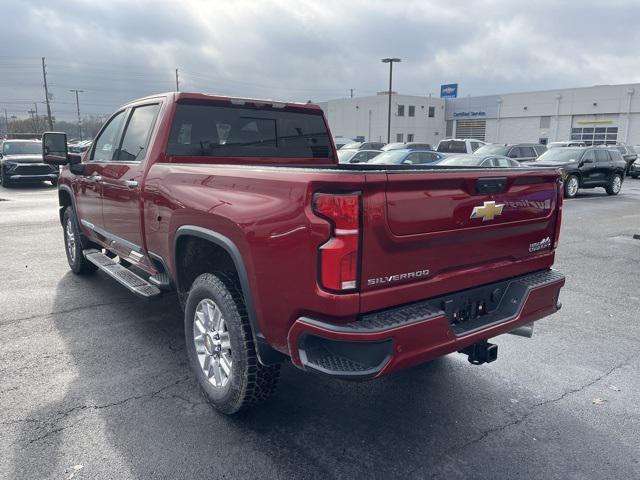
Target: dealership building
600, 114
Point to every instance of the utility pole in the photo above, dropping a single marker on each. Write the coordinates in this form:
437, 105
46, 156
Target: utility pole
37, 122
351, 93
46, 95
6, 122
78, 109
390, 61
177, 81
33, 120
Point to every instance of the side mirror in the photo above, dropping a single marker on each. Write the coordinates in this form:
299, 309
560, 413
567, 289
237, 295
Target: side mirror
54, 148
407, 162
587, 160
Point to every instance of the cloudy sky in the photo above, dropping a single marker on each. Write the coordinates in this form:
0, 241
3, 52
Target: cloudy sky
298, 50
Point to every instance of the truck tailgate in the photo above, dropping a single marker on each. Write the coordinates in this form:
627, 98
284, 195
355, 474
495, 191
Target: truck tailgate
444, 230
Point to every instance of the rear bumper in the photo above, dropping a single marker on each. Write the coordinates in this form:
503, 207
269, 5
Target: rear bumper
379, 343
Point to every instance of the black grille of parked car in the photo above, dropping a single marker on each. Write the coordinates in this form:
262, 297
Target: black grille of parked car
32, 170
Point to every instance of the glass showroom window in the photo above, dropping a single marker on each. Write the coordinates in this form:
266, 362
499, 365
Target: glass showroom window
595, 135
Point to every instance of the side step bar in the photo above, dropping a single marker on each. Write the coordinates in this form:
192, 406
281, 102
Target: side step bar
122, 275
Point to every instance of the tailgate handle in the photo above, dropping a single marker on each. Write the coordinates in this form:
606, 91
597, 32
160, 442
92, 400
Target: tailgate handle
491, 185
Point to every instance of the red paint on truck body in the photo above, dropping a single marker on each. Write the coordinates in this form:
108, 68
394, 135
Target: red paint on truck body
411, 221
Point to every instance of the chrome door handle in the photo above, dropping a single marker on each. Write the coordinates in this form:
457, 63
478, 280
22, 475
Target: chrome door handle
131, 183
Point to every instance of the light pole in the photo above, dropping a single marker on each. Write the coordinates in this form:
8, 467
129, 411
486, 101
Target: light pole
390, 61
78, 110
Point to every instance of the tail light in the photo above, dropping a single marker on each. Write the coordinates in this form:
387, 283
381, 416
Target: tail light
339, 256
556, 239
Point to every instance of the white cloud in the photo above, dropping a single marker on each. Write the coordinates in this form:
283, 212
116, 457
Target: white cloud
305, 49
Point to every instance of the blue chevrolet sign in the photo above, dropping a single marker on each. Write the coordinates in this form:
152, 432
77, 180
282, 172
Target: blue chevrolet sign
450, 90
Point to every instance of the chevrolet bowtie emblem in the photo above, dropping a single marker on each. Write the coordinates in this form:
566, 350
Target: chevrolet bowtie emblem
488, 211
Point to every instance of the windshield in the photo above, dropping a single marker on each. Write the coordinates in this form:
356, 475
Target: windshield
352, 145
345, 155
560, 155
390, 157
22, 148
492, 150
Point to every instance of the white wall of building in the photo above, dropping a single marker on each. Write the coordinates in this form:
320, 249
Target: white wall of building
367, 117
516, 117
508, 118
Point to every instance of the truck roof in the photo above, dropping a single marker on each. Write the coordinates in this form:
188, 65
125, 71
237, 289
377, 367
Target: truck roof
178, 96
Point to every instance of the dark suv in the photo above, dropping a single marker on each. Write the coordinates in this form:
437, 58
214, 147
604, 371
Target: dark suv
522, 152
21, 161
585, 167
628, 153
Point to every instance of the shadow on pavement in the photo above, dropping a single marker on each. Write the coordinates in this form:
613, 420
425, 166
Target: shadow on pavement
134, 408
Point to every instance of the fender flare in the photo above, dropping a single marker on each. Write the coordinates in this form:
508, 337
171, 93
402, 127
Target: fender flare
267, 355
68, 190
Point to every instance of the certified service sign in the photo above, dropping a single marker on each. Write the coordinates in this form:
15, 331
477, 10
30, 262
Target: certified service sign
450, 90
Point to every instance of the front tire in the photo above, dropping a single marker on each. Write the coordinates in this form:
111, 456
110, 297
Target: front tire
571, 186
3, 178
220, 347
73, 245
615, 184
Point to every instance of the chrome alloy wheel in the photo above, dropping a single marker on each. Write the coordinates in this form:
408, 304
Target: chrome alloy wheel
617, 184
572, 187
212, 343
71, 240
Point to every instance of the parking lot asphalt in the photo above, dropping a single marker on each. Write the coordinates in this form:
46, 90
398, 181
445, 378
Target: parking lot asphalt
94, 383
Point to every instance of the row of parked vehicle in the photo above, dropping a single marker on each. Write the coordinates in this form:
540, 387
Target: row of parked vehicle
582, 166
21, 161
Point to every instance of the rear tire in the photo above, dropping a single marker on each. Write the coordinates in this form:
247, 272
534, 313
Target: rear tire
615, 184
571, 186
220, 346
73, 244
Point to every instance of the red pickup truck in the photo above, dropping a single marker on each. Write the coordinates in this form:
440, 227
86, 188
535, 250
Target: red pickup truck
276, 251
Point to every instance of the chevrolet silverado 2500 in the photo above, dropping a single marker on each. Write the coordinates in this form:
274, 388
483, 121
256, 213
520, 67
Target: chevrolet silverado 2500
276, 251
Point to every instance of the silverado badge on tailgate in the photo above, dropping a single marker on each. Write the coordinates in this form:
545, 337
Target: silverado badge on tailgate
488, 211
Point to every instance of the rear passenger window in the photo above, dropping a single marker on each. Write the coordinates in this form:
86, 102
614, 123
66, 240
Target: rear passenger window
426, 157
527, 152
602, 156
515, 152
234, 131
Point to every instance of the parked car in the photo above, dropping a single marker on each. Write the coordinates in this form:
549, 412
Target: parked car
522, 152
407, 157
357, 156
479, 160
340, 142
586, 167
21, 161
566, 143
79, 147
363, 146
628, 153
634, 170
276, 251
407, 146
459, 145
